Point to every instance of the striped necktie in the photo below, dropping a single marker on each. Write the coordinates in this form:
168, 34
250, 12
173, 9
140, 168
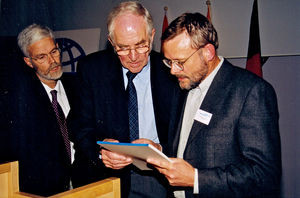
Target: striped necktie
61, 120
132, 107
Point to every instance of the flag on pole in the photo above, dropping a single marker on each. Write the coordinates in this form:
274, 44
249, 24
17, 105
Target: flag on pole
254, 60
165, 22
208, 15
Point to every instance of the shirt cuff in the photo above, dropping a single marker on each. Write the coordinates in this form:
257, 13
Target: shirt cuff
196, 186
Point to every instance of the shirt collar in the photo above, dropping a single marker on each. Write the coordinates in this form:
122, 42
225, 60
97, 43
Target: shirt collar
141, 74
205, 84
57, 87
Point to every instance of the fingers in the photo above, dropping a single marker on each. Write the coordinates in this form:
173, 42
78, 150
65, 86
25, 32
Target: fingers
115, 160
110, 140
159, 163
147, 141
178, 172
142, 141
165, 168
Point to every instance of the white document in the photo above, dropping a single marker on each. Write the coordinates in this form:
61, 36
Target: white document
139, 152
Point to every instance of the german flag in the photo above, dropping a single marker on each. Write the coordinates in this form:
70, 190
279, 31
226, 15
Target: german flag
254, 60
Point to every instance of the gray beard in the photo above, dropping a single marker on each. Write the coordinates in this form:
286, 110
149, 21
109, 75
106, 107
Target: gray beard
48, 75
53, 76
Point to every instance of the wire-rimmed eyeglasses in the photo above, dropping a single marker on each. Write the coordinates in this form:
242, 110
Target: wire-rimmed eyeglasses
41, 58
179, 64
140, 49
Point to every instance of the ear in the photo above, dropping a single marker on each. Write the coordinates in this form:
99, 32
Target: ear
152, 34
28, 62
209, 52
111, 42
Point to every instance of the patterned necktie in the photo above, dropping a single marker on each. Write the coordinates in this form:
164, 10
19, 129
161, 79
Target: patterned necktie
132, 108
61, 122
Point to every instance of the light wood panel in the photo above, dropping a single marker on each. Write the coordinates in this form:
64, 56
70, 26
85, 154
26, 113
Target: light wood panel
9, 186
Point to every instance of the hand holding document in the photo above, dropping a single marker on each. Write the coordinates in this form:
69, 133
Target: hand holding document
139, 152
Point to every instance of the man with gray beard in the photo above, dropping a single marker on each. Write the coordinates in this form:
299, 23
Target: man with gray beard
41, 103
227, 142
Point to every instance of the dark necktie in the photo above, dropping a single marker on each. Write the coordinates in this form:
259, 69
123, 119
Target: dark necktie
132, 108
61, 122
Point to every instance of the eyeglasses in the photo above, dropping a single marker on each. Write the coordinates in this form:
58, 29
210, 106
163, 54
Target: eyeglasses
179, 64
41, 58
141, 49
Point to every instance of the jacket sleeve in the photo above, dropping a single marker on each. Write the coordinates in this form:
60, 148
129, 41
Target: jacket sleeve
258, 172
87, 165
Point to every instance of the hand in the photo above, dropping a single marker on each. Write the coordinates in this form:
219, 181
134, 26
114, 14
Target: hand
147, 141
178, 172
114, 160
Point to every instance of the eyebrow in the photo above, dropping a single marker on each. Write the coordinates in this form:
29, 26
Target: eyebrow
42, 54
178, 60
138, 43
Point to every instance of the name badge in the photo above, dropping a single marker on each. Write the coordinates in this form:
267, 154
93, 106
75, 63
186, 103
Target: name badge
203, 116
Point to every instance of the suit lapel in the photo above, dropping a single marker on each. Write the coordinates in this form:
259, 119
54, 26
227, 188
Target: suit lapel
213, 98
163, 89
117, 93
154, 73
42, 94
178, 129
67, 84
115, 97
155, 87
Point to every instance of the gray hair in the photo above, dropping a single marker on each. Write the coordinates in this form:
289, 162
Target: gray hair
133, 7
31, 34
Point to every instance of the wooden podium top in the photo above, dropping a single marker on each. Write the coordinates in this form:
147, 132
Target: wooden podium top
9, 186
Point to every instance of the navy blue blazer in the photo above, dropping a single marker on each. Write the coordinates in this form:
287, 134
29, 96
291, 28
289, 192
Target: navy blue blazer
103, 107
238, 153
35, 138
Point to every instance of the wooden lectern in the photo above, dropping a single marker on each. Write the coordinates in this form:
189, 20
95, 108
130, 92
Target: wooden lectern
9, 186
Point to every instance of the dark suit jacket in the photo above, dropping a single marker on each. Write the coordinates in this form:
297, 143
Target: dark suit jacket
238, 153
103, 106
4, 120
35, 138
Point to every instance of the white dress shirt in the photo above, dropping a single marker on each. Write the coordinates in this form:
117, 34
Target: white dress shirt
193, 103
63, 102
142, 83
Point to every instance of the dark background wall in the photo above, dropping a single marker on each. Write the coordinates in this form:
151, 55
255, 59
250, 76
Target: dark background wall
279, 31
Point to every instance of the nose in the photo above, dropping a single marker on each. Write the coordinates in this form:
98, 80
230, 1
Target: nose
174, 69
51, 59
132, 55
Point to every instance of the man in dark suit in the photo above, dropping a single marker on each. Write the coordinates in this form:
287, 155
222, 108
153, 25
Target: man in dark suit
227, 143
40, 139
104, 101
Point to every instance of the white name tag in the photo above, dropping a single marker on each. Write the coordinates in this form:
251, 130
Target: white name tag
203, 116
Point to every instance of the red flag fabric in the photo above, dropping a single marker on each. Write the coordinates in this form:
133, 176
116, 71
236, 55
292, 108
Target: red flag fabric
208, 15
254, 63
165, 23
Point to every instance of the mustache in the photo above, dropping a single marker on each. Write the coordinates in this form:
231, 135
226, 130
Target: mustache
180, 76
53, 65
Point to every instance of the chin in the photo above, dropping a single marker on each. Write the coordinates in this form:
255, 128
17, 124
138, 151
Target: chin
135, 69
54, 76
184, 86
